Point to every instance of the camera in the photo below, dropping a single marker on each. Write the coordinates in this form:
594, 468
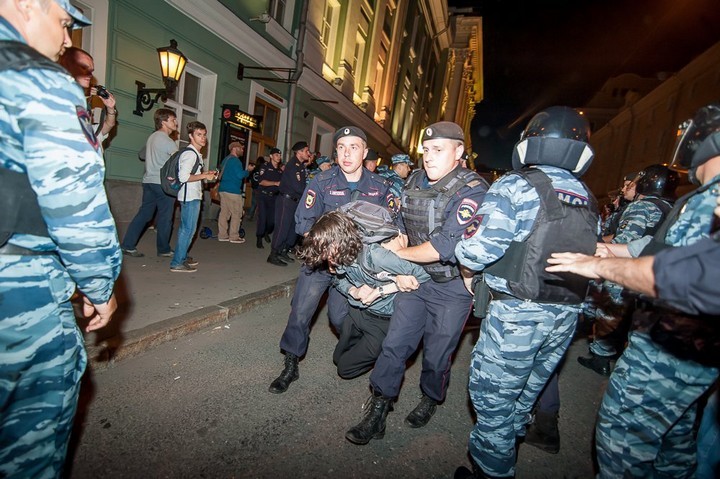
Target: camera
102, 92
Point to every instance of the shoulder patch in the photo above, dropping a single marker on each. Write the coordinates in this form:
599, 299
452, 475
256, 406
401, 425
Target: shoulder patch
466, 211
310, 199
86, 127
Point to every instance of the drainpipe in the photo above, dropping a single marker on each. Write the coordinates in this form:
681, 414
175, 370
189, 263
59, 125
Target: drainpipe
299, 63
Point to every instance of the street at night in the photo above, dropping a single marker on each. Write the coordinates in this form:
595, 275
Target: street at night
199, 407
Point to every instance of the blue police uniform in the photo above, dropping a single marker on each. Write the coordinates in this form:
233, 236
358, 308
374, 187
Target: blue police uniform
47, 135
267, 199
292, 185
521, 341
646, 419
436, 312
326, 192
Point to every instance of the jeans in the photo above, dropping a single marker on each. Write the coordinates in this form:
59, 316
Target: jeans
153, 198
189, 213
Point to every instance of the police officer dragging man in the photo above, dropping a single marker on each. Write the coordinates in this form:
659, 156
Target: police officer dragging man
438, 203
56, 236
530, 315
326, 192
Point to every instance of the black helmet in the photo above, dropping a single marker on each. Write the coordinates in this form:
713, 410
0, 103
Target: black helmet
698, 140
557, 136
657, 180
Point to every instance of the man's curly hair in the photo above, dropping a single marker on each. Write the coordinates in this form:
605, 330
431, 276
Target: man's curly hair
334, 236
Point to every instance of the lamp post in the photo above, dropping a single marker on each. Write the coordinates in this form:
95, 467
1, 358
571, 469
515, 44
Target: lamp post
172, 65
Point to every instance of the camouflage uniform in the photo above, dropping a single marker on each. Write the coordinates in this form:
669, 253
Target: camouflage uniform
521, 342
645, 422
639, 218
396, 183
46, 133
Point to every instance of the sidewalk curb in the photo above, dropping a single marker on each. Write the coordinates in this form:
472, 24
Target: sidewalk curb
132, 343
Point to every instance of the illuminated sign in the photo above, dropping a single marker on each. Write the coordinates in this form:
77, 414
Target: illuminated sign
233, 114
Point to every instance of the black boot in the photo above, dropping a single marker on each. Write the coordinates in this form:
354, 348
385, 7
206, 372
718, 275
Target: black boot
267, 239
599, 364
372, 425
422, 413
543, 432
288, 375
275, 259
259, 243
283, 255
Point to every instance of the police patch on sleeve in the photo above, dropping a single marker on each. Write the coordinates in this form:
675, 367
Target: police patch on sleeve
310, 199
473, 227
86, 127
466, 211
392, 202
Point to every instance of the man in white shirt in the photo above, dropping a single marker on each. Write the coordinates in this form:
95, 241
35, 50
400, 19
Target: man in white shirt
158, 148
190, 193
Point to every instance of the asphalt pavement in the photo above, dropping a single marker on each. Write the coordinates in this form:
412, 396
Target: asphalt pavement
198, 406
157, 305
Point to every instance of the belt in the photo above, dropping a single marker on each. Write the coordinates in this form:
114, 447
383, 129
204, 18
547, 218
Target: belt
441, 278
269, 193
290, 197
498, 296
11, 249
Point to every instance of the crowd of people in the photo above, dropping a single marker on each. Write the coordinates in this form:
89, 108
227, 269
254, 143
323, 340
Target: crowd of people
404, 257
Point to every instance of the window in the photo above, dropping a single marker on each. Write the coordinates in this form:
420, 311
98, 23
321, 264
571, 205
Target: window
266, 138
387, 23
328, 35
185, 102
277, 10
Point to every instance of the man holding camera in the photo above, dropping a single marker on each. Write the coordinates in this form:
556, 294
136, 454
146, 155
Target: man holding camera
81, 66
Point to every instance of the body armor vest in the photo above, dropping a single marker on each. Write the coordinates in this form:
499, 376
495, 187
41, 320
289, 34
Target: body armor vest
423, 211
558, 227
18, 201
664, 206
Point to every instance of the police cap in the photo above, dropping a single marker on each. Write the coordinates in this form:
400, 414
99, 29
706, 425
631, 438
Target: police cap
349, 131
322, 160
401, 158
444, 130
275, 150
299, 145
79, 19
371, 155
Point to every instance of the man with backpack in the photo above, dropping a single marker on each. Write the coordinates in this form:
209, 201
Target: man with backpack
348, 243
190, 173
158, 148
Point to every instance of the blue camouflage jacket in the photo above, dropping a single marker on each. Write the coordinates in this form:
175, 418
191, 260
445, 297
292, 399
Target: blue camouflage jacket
46, 132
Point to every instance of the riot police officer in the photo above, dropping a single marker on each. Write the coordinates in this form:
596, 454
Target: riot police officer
57, 235
527, 214
292, 185
437, 204
326, 192
401, 168
268, 187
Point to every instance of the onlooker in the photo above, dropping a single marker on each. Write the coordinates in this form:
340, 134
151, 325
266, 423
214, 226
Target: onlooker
189, 196
371, 160
81, 66
59, 239
158, 148
232, 176
269, 183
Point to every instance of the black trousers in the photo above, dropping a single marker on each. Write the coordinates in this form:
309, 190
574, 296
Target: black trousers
266, 214
360, 342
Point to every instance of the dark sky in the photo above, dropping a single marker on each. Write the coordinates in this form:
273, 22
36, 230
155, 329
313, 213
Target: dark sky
543, 53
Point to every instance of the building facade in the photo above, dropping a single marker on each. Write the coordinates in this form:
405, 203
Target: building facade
310, 66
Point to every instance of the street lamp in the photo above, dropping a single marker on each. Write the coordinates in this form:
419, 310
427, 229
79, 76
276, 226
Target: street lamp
172, 65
